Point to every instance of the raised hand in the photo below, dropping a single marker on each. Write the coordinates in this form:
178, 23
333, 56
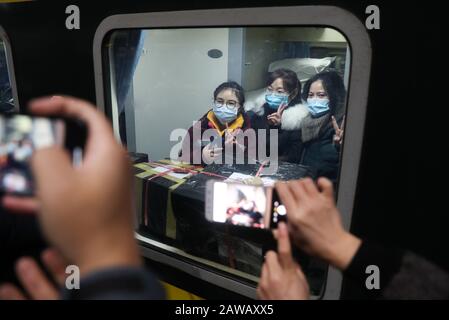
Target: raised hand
210, 153
275, 119
338, 136
231, 138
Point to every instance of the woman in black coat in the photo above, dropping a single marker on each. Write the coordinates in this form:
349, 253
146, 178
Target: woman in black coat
317, 143
280, 110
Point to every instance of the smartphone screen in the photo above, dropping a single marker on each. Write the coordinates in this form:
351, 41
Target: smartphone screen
20, 135
244, 205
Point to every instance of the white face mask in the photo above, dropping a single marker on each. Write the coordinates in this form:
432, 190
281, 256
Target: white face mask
318, 107
224, 113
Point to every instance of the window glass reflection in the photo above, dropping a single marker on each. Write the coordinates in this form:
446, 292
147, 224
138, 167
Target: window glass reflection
251, 105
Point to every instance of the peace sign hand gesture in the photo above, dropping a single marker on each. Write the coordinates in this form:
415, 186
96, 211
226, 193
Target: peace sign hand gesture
275, 119
231, 137
338, 136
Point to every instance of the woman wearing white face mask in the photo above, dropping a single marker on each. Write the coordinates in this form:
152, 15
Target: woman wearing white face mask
280, 109
321, 133
225, 120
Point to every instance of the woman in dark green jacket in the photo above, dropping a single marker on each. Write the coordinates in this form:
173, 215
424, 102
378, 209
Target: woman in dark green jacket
317, 143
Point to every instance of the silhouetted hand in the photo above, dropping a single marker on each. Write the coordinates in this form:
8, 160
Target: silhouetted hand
281, 277
315, 223
86, 212
36, 284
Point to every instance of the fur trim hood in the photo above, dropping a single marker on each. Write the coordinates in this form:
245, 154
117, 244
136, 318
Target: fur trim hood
291, 117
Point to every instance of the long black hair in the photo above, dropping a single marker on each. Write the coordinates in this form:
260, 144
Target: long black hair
334, 87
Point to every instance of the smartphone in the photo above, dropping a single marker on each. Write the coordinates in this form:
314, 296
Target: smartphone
21, 135
243, 205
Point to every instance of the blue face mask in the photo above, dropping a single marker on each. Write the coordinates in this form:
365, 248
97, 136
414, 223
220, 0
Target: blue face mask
318, 107
275, 100
225, 114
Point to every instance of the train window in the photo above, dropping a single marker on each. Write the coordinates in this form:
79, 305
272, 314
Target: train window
7, 89
241, 103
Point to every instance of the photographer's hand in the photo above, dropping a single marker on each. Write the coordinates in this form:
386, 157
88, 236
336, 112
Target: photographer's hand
315, 223
36, 284
86, 212
25, 205
281, 277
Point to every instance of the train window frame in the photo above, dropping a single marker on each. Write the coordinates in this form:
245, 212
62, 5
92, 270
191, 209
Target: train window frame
10, 67
357, 97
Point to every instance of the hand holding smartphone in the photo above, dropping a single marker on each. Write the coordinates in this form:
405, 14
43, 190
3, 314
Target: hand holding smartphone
21, 135
244, 205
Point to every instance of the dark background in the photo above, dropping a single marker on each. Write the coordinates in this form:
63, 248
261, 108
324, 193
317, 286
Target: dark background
401, 190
